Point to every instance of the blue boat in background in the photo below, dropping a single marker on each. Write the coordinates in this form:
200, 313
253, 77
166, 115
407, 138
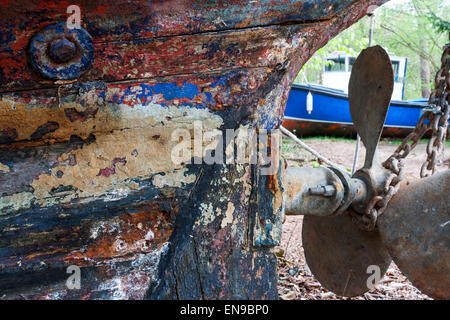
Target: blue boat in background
330, 114
324, 110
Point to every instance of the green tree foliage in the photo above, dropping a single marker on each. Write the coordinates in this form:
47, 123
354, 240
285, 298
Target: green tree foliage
416, 29
439, 24
350, 41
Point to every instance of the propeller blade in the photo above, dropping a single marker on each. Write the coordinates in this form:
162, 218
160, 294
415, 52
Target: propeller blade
415, 228
369, 94
339, 254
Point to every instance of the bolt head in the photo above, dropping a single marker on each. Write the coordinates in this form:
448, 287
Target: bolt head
62, 50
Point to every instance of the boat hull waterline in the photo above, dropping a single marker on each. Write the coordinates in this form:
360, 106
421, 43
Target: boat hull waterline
331, 115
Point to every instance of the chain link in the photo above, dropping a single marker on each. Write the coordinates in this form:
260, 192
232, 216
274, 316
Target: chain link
436, 114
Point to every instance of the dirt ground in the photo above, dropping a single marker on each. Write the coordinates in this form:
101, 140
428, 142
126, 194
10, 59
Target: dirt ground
295, 279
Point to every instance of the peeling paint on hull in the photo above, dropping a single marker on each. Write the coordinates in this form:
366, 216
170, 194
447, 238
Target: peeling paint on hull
86, 176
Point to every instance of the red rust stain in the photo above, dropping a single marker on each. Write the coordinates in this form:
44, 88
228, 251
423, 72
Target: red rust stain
106, 172
75, 115
140, 231
101, 10
272, 183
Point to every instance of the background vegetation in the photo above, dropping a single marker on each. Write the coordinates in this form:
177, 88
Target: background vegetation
416, 29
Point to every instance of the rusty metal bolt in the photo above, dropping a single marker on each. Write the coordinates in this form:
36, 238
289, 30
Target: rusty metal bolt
62, 50
59, 53
326, 191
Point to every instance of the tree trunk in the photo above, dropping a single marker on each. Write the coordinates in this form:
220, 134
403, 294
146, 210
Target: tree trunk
425, 74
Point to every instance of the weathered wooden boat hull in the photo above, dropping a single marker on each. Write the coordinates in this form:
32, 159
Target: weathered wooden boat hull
86, 174
331, 117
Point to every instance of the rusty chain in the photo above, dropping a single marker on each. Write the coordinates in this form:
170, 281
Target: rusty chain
437, 114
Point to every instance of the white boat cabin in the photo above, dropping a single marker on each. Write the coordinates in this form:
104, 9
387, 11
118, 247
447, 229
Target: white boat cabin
337, 74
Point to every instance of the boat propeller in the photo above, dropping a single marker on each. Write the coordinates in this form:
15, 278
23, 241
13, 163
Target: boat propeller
413, 229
